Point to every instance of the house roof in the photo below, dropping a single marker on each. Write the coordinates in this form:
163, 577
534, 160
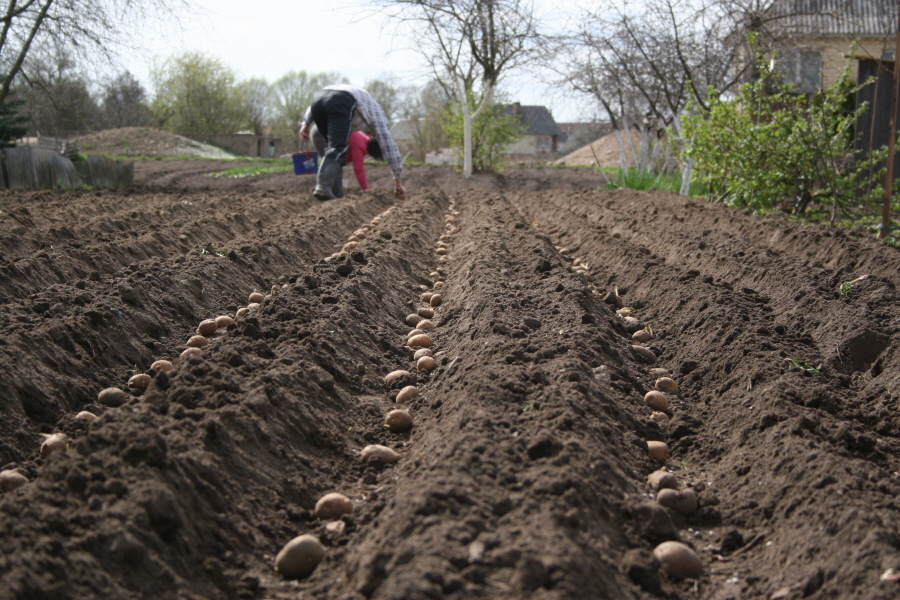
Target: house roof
537, 120
864, 18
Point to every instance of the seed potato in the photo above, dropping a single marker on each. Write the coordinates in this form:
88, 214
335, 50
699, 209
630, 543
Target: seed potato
191, 352
660, 480
657, 401
678, 560
253, 306
86, 416
413, 319
642, 337
398, 421
437, 285
223, 321
197, 341
426, 313
242, 311
207, 327
112, 396
435, 275
660, 417
54, 443
436, 300
644, 353
395, 375
426, 297
425, 325
658, 451
407, 394
441, 251
299, 557
667, 384
333, 506
422, 352
684, 502
139, 381
420, 341
414, 333
380, 453
256, 297
426, 363
162, 365
657, 372
11, 480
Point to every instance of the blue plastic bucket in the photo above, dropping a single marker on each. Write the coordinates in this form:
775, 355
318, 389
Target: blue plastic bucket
305, 162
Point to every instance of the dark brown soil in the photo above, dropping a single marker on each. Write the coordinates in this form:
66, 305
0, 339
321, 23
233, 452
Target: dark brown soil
525, 474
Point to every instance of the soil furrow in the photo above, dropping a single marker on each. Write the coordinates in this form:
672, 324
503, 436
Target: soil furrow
525, 472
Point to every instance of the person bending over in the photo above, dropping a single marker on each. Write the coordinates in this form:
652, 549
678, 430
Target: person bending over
358, 146
338, 110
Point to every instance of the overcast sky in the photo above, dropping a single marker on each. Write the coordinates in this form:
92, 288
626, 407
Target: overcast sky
279, 36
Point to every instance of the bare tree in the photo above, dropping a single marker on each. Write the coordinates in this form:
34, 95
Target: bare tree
76, 26
292, 94
256, 95
469, 45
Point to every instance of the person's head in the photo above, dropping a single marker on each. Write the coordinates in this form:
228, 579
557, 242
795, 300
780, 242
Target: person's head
373, 148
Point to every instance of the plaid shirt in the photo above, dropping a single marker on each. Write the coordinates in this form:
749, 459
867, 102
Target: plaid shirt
369, 116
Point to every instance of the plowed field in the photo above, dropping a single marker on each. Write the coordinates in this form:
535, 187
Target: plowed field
525, 473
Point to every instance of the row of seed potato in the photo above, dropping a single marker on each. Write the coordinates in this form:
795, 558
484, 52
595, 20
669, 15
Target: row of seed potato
301, 555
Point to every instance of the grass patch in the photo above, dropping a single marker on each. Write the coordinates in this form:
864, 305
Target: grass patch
252, 170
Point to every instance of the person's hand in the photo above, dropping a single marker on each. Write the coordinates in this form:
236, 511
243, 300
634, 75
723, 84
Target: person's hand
399, 190
304, 133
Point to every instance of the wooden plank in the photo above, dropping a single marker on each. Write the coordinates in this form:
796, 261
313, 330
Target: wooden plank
103, 172
20, 168
64, 173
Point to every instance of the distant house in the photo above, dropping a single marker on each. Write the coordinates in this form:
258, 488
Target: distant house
540, 136
815, 37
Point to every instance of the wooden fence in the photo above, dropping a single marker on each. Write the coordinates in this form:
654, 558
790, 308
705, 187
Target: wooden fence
34, 168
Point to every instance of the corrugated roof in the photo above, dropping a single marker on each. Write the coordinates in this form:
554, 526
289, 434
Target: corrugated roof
537, 120
864, 18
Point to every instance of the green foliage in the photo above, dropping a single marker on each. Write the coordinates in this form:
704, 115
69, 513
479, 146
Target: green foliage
250, 171
12, 123
197, 94
768, 147
642, 179
802, 366
492, 133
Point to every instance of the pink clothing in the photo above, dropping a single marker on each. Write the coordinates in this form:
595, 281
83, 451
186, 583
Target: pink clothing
356, 152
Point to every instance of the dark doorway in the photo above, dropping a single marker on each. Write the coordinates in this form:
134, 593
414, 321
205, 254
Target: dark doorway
874, 126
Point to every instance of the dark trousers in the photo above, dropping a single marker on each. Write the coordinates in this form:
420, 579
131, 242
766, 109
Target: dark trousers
332, 110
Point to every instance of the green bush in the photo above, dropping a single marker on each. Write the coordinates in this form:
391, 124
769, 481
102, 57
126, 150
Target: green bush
492, 134
768, 147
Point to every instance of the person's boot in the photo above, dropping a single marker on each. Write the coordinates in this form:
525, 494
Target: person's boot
330, 171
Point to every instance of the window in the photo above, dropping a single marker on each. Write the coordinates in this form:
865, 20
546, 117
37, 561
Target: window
800, 68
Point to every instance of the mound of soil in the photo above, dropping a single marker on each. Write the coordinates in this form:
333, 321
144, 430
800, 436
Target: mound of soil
525, 472
146, 141
605, 150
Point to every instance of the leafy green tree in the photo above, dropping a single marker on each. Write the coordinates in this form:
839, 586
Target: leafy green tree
769, 146
13, 124
492, 133
195, 94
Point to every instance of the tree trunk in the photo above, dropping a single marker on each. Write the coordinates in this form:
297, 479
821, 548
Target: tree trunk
468, 119
645, 145
623, 159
